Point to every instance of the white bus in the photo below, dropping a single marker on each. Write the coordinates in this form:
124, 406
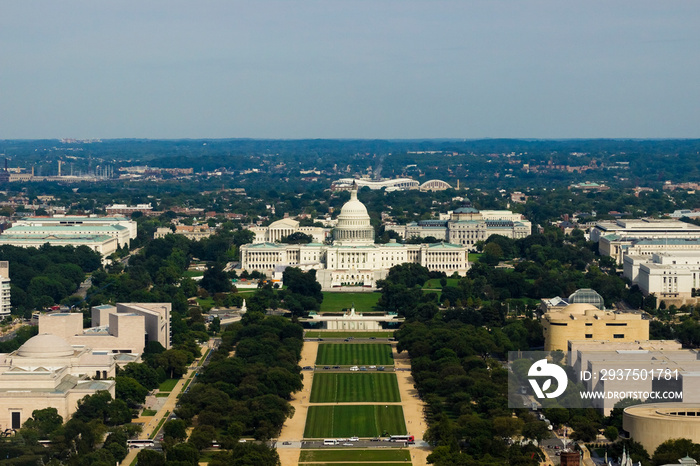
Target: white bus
330, 441
138, 443
403, 438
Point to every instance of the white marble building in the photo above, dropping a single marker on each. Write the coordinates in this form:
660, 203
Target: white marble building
353, 260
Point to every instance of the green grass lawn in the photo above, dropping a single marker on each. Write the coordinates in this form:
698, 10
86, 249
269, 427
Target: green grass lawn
162, 395
354, 354
168, 385
208, 302
434, 283
393, 454
474, 256
335, 302
149, 412
327, 334
193, 273
361, 386
349, 420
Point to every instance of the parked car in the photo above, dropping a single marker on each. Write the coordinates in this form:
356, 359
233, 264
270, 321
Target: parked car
354, 439
380, 368
354, 368
336, 367
363, 368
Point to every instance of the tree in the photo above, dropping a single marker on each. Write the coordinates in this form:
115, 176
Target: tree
176, 429
44, 421
611, 433
130, 390
150, 458
173, 361
671, 450
536, 430
297, 238
215, 280
202, 436
183, 452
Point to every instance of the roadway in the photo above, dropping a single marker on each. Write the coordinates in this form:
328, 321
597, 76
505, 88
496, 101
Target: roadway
151, 424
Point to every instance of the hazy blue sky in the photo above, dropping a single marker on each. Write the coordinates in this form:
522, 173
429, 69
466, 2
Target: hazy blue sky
349, 69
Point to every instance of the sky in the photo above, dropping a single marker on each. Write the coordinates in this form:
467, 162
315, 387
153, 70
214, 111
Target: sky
349, 69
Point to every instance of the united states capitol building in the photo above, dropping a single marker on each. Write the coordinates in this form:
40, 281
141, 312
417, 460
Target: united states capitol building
353, 260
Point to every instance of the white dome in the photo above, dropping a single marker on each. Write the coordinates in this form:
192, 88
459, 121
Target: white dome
353, 209
45, 346
354, 227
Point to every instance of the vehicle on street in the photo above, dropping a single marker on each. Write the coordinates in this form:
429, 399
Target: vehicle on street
330, 441
354, 439
354, 368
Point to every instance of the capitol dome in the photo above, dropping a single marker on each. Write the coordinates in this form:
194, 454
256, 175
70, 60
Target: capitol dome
45, 345
353, 226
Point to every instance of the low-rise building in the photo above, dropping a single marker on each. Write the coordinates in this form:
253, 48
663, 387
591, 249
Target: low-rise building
466, 226
124, 328
581, 321
103, 244
393, 184
669, 275
123, 209
124, 229
280, 229
47, 372
193, 232
644, 236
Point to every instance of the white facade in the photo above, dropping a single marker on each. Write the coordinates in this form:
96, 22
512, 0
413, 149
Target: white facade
126, 229
285, 227
354, 260
395, 184
103, 244
670, 274
5, 302
47, 372
466, 226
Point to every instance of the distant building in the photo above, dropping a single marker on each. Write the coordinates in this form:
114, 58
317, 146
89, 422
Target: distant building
121, 233
670, 275
644, 236
47, 372
5, 302
396, 184
123, 209
280, 229
435, 185
123, 228
193, 232
588, 187
103, 244
467, 225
